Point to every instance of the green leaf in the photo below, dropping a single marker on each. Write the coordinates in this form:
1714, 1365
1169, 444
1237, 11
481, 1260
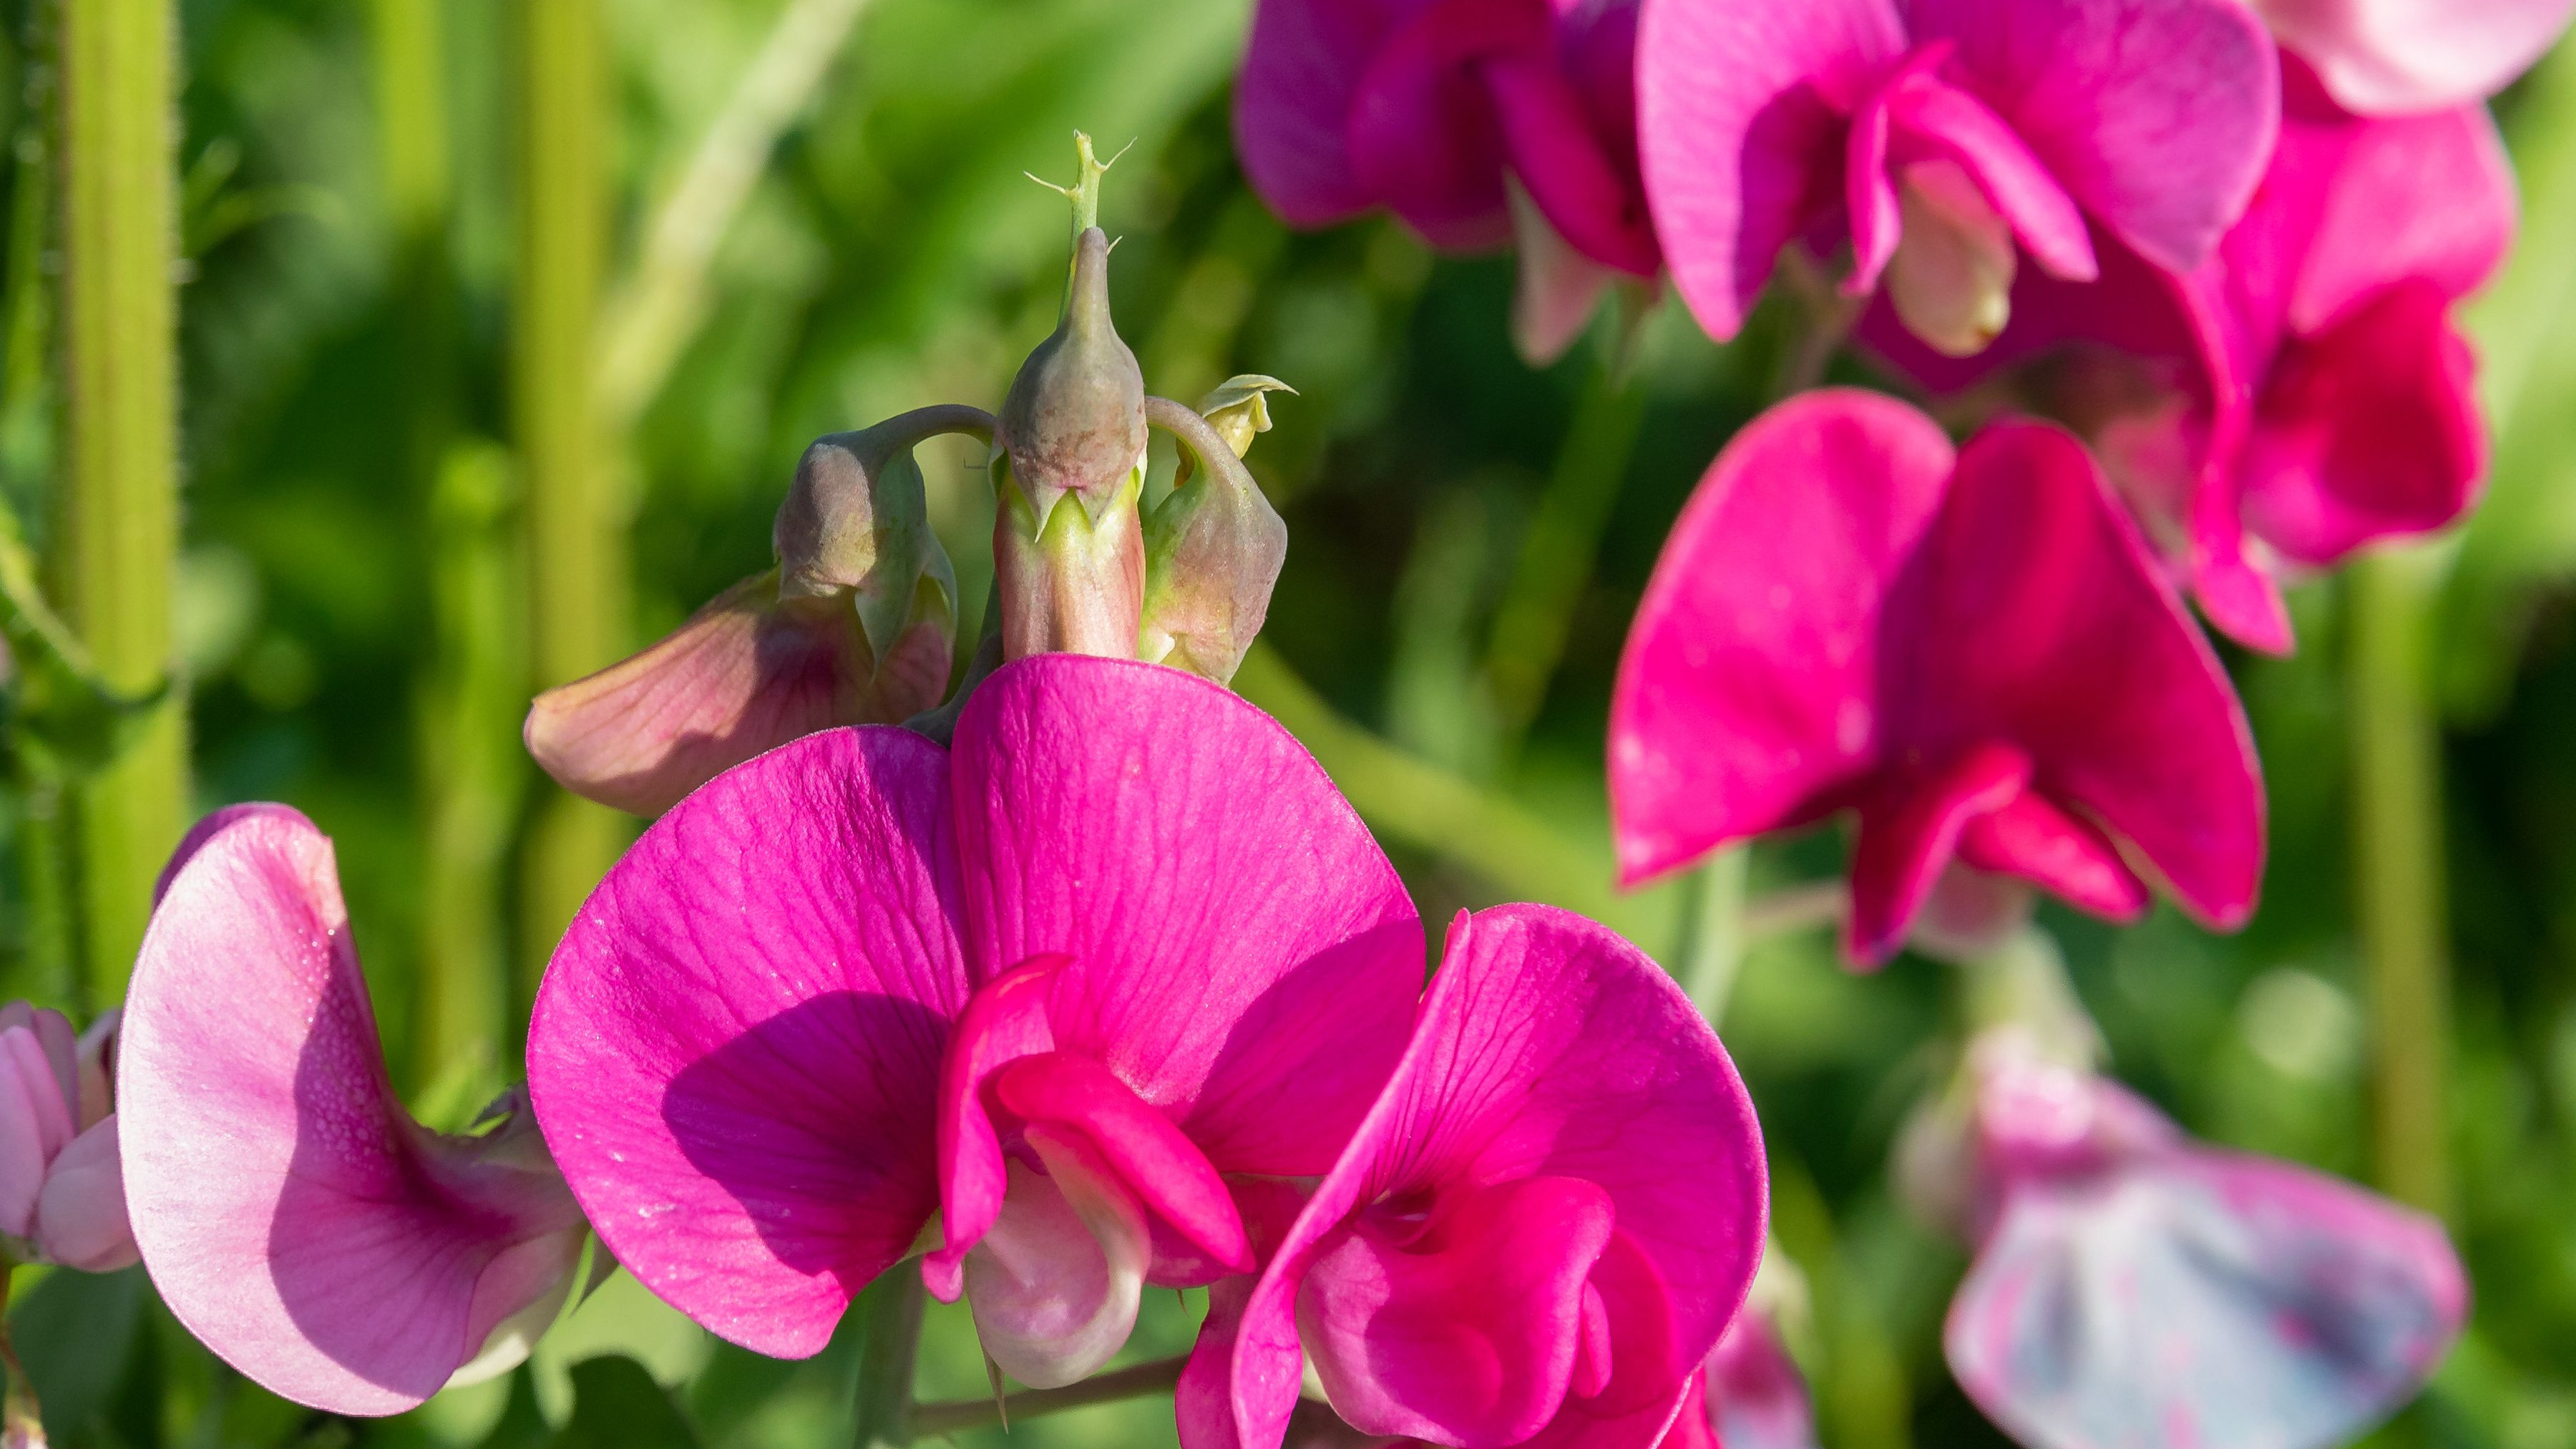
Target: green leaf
617, 1405
74, 1332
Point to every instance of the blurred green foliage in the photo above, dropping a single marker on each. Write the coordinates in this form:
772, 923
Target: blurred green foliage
338, 599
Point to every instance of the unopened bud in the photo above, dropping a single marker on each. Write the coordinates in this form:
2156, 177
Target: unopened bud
856, 625
1214, 548
1068, 579
1075, 418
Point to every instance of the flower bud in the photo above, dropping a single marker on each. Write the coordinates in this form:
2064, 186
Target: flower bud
1214, 548
856, 625
1068, 580
1239, 409
62, 1196
1074, 421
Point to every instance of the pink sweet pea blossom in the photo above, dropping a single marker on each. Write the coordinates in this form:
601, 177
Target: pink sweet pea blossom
1079, 991
62, 1199
1474, 120
2402, 57
2304, 393
1944, 139
291, 1214
1973, 650
1749, 1395
1539, 1230
2135, 1290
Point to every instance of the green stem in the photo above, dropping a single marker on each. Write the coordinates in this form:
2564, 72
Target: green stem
1560, 548
1431, 809
120, 523
1719, 932
1127, 1383
889, 1318
576, 565
2397, 871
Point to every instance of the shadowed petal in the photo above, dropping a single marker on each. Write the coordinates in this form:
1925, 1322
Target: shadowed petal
291, 1215
1292, 102
736, 1050
1054, 1283
1548, 1050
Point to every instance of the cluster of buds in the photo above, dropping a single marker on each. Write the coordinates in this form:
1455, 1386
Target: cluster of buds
857, 623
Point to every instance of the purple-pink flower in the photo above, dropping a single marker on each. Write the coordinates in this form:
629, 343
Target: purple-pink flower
1944, 140
292, 1215
1476, 121
2403, 57
1092, 1000
62, 1199
1970, 649
1749, 1395
2135, 1290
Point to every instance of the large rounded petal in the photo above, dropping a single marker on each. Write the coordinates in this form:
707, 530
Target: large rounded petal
736, 1051
1740, 123
2395, 57
1292, 103
291, 1215
1748, 695
1234, 940
2158, 114
2197, 1298
1550, 1053
2037, 616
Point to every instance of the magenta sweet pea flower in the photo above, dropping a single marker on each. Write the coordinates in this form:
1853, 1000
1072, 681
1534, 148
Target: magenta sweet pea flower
2404, 57
1944, 140
1539, 1230
62, 1198
1476, 121
1062, 1003
2303, 394
1972, 650
291, 1214
2134, 1290
1749, 1395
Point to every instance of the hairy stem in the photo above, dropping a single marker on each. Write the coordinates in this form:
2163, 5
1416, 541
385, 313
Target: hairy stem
2397, 872
575, 519
1127, 1383
119, 546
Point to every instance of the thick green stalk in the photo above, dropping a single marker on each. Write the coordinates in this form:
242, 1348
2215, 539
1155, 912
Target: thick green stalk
2397, 871
940, 1420
889, 1319
118, 549
576, 530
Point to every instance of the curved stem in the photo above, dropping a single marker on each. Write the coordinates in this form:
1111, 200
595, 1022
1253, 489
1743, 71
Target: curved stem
1127, 1383
922, 424
1183, 422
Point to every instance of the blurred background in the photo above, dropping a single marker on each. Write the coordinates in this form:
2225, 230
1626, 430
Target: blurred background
501, 324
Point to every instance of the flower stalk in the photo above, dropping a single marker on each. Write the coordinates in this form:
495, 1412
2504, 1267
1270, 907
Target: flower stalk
2397, 872
119, 540
930, 1421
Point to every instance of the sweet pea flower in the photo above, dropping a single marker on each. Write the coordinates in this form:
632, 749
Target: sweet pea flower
1944, 139
1061, 1004
1476, 121
292, 1215
2404, 57
1540, 1229
1971, 649
62, 1198
2133, 1289
1750, 1393
2304, 393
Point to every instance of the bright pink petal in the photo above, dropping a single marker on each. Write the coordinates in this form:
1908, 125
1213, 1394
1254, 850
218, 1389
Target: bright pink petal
2393, 57
2036, 841
292, 1216
736, 1051
745, 674
2157, 114
1233, 937
1740, 121
2037, 617
1203, 1403
1909, 832
1589, 193
1547, 1048
2195, 1298
81, 1220
1137, 1145
2367, 431
1462, 1328
1292, 102
1748, 695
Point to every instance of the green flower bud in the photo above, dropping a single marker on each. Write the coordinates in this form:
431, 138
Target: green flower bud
1214, 548
1074, 421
